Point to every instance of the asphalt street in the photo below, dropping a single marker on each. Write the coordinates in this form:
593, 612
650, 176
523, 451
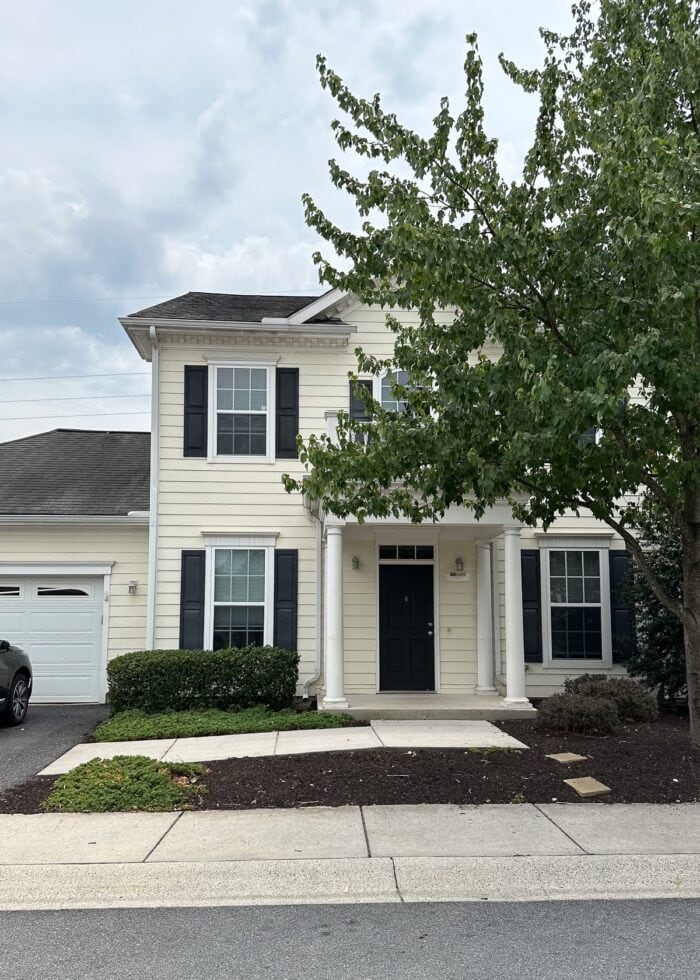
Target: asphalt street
48, 731
540, 940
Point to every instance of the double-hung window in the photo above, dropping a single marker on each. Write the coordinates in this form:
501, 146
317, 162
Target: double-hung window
242, 412
387, 396
576, 587
239, 597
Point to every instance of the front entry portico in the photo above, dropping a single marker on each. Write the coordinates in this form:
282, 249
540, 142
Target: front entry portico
430, 612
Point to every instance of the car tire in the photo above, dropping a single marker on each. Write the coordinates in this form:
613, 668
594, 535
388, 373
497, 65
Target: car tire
18, 701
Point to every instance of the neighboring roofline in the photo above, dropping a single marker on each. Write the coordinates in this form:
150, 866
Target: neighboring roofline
138, 328
136, 518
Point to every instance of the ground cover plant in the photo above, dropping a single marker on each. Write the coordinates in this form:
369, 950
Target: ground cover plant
135, 724
126, 783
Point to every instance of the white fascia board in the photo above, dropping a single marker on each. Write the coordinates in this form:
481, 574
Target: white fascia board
258, 326
134, 519
56, 568
318, 306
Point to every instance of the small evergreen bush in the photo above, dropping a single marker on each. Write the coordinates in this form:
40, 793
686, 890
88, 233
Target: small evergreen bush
581, 714
632, 701
180, 680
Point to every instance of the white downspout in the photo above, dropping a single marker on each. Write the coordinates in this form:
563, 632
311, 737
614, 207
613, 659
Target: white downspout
153, 507
319, 592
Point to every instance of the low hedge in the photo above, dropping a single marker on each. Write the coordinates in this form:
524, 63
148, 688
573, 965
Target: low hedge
633, 702
179, 680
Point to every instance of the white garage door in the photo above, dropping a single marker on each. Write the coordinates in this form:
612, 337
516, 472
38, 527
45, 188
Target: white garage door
58, 621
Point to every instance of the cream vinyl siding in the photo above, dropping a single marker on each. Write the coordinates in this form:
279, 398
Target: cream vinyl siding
127, 547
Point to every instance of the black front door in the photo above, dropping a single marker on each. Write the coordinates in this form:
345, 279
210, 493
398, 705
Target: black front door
406, 628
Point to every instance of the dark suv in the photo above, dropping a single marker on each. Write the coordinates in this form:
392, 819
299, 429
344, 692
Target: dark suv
15, 683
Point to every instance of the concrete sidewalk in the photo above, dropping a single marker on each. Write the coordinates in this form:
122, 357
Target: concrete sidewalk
350, 854
392, 734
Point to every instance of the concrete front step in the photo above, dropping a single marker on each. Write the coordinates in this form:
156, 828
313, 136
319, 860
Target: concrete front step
431, 707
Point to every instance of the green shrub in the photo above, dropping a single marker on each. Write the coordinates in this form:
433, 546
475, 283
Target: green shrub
126, 783
632, 701
578, 713
134, 724
178, 680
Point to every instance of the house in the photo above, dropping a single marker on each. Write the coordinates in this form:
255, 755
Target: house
104, 550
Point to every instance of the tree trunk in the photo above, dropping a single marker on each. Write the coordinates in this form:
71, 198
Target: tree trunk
691, 612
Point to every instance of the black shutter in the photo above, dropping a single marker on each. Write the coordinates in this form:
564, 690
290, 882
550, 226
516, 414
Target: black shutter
532, 606
287, 413
358, 409
286, 598
621, 612
196, 410
192, 600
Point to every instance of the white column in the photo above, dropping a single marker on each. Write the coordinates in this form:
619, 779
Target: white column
333, 619
515, 660
484, 632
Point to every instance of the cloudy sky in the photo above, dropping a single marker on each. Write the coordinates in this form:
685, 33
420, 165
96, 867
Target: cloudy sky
151, 147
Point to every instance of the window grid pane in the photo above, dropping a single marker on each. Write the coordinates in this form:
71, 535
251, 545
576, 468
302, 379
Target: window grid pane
388, 400
239, 597
575, 600
241, 406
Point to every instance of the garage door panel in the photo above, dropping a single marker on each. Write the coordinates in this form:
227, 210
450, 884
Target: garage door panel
57, 623
52, 686
57, 655
11, 624
61, 633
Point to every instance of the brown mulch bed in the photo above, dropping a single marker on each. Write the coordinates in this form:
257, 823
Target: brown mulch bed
641, 764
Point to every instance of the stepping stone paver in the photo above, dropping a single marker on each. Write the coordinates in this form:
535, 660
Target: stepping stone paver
566, 757
587, 786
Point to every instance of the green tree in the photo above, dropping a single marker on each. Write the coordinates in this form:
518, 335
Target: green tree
585, 272
658, 656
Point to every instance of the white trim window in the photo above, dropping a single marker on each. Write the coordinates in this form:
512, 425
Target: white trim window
576, 587
242, 410
385, 394
240, 604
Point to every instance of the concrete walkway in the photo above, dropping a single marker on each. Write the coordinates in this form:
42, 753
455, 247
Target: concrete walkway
350, 854
393, 734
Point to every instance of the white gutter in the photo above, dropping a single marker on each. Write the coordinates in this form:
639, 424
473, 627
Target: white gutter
319, 592
153, 512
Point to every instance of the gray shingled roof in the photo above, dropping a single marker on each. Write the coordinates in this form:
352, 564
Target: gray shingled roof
75, 471
227, 307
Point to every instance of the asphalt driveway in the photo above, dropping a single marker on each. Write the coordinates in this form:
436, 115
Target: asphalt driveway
49, 731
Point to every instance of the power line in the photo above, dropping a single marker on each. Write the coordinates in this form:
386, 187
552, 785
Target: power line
79, 398
61, 377
96, 299
80, 415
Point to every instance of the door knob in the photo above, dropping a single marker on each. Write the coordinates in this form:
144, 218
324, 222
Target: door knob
430, 632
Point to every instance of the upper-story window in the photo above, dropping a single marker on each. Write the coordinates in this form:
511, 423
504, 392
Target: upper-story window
387, 396
242, 412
